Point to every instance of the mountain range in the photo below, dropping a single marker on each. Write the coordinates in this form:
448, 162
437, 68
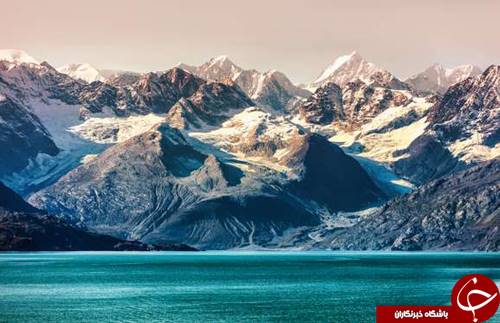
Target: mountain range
217, 157
271, 89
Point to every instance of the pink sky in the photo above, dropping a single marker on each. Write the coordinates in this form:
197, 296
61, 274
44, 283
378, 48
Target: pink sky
298, 37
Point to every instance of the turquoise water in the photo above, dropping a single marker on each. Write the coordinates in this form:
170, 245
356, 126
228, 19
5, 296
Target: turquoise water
227, 286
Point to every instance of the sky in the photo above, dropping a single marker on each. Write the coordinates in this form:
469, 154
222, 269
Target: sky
297, 37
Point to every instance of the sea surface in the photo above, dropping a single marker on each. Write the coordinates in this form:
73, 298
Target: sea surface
227, 286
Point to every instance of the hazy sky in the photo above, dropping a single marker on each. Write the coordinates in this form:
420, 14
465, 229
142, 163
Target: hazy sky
298, 37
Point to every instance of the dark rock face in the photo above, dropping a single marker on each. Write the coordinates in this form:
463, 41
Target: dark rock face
152, 92
98, 95
189, 101
22, 136
211, 104
25, 228
214, 175
387, 80
324, 106
428, 159
9, 200
353, 105
362, 102
458, 212
120, 79
334, 179
160, 92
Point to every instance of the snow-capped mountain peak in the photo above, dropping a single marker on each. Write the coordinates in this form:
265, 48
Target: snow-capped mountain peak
222, 59
186, 67
223, 65
345, 69
338, 63
217, 68
437, 78
460, 73
84, 71
16, 56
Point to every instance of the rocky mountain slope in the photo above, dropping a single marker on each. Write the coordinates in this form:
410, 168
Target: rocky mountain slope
351, 106
350, 93
25, 228
159, 92
26, 81
273, 141
462, 128
22, 136
210, 105
457, 212
120, 78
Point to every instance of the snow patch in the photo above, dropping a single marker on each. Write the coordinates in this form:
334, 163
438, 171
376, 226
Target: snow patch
472, 149
419, 106
380, 146
245, 128
88, 158
111, 130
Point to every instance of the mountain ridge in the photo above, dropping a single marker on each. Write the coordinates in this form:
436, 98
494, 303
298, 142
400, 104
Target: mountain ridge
437, 78
211, 161
271, 89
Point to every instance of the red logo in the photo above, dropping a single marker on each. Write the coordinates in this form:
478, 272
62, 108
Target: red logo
476, 297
